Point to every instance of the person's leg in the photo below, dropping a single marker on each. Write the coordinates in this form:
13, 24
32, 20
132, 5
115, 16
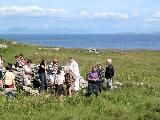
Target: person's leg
1, 84
76, 86
96, 88
41, 76
110, 83
69, 90
100, 86
45, 82
90, 89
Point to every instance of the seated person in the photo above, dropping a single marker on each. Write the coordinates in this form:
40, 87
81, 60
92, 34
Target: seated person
9, 82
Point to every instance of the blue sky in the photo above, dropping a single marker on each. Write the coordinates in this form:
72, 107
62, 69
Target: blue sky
97, 16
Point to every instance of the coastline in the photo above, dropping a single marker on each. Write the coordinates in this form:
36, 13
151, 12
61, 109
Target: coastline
97, 41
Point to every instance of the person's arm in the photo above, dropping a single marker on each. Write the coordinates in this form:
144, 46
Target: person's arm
89, 77
106, 74
42, 66
2, 63
110, 71
96, 77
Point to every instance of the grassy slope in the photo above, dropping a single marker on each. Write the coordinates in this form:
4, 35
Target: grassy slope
128, 102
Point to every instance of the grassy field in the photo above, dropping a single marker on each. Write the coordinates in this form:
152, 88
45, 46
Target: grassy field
132, 101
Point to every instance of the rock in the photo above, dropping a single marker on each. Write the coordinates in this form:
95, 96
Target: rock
14, 43
117, 83
3, 46
93, 50
56, 49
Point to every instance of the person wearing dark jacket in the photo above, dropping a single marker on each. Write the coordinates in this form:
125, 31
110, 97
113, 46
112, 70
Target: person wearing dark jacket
43, 76
101, 75
109, 74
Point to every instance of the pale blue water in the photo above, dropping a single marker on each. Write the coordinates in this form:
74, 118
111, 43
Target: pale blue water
106, 41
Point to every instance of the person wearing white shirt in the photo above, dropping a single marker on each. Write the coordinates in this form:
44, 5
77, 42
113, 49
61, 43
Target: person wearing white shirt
73, 66
26, 73
59, 80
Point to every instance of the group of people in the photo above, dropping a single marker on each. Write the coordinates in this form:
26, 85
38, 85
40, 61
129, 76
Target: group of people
59, 76
68, 76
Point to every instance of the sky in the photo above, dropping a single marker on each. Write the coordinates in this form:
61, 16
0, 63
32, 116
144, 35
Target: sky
96, 16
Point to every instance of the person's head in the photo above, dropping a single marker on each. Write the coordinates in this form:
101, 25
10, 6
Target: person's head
99, 65
109, 61
55, 61
29, 62
58, 71
9, 67
71, 59
94, 69
68, 70
43, 61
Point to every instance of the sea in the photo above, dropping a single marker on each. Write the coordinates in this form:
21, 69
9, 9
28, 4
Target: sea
101, 41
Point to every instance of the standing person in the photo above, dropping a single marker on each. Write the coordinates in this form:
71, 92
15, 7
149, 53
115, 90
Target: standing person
72, 64
93, 82
27, 73
109, 74
69, 79
59, 80
43, 76
101, 75
1, 82
53, 68
1, 62
1, 67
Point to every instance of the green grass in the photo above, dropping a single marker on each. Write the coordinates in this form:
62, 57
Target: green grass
132, 101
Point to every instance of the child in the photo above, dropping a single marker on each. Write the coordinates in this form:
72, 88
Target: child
69, 79
59, 80
109, 74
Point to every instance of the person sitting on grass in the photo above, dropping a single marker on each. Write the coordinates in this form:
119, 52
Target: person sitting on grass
93, 82
101, 75
9, 82
59, 86
109, 74
69, 79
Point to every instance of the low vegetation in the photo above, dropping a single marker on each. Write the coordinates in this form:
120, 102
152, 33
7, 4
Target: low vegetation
137, 99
